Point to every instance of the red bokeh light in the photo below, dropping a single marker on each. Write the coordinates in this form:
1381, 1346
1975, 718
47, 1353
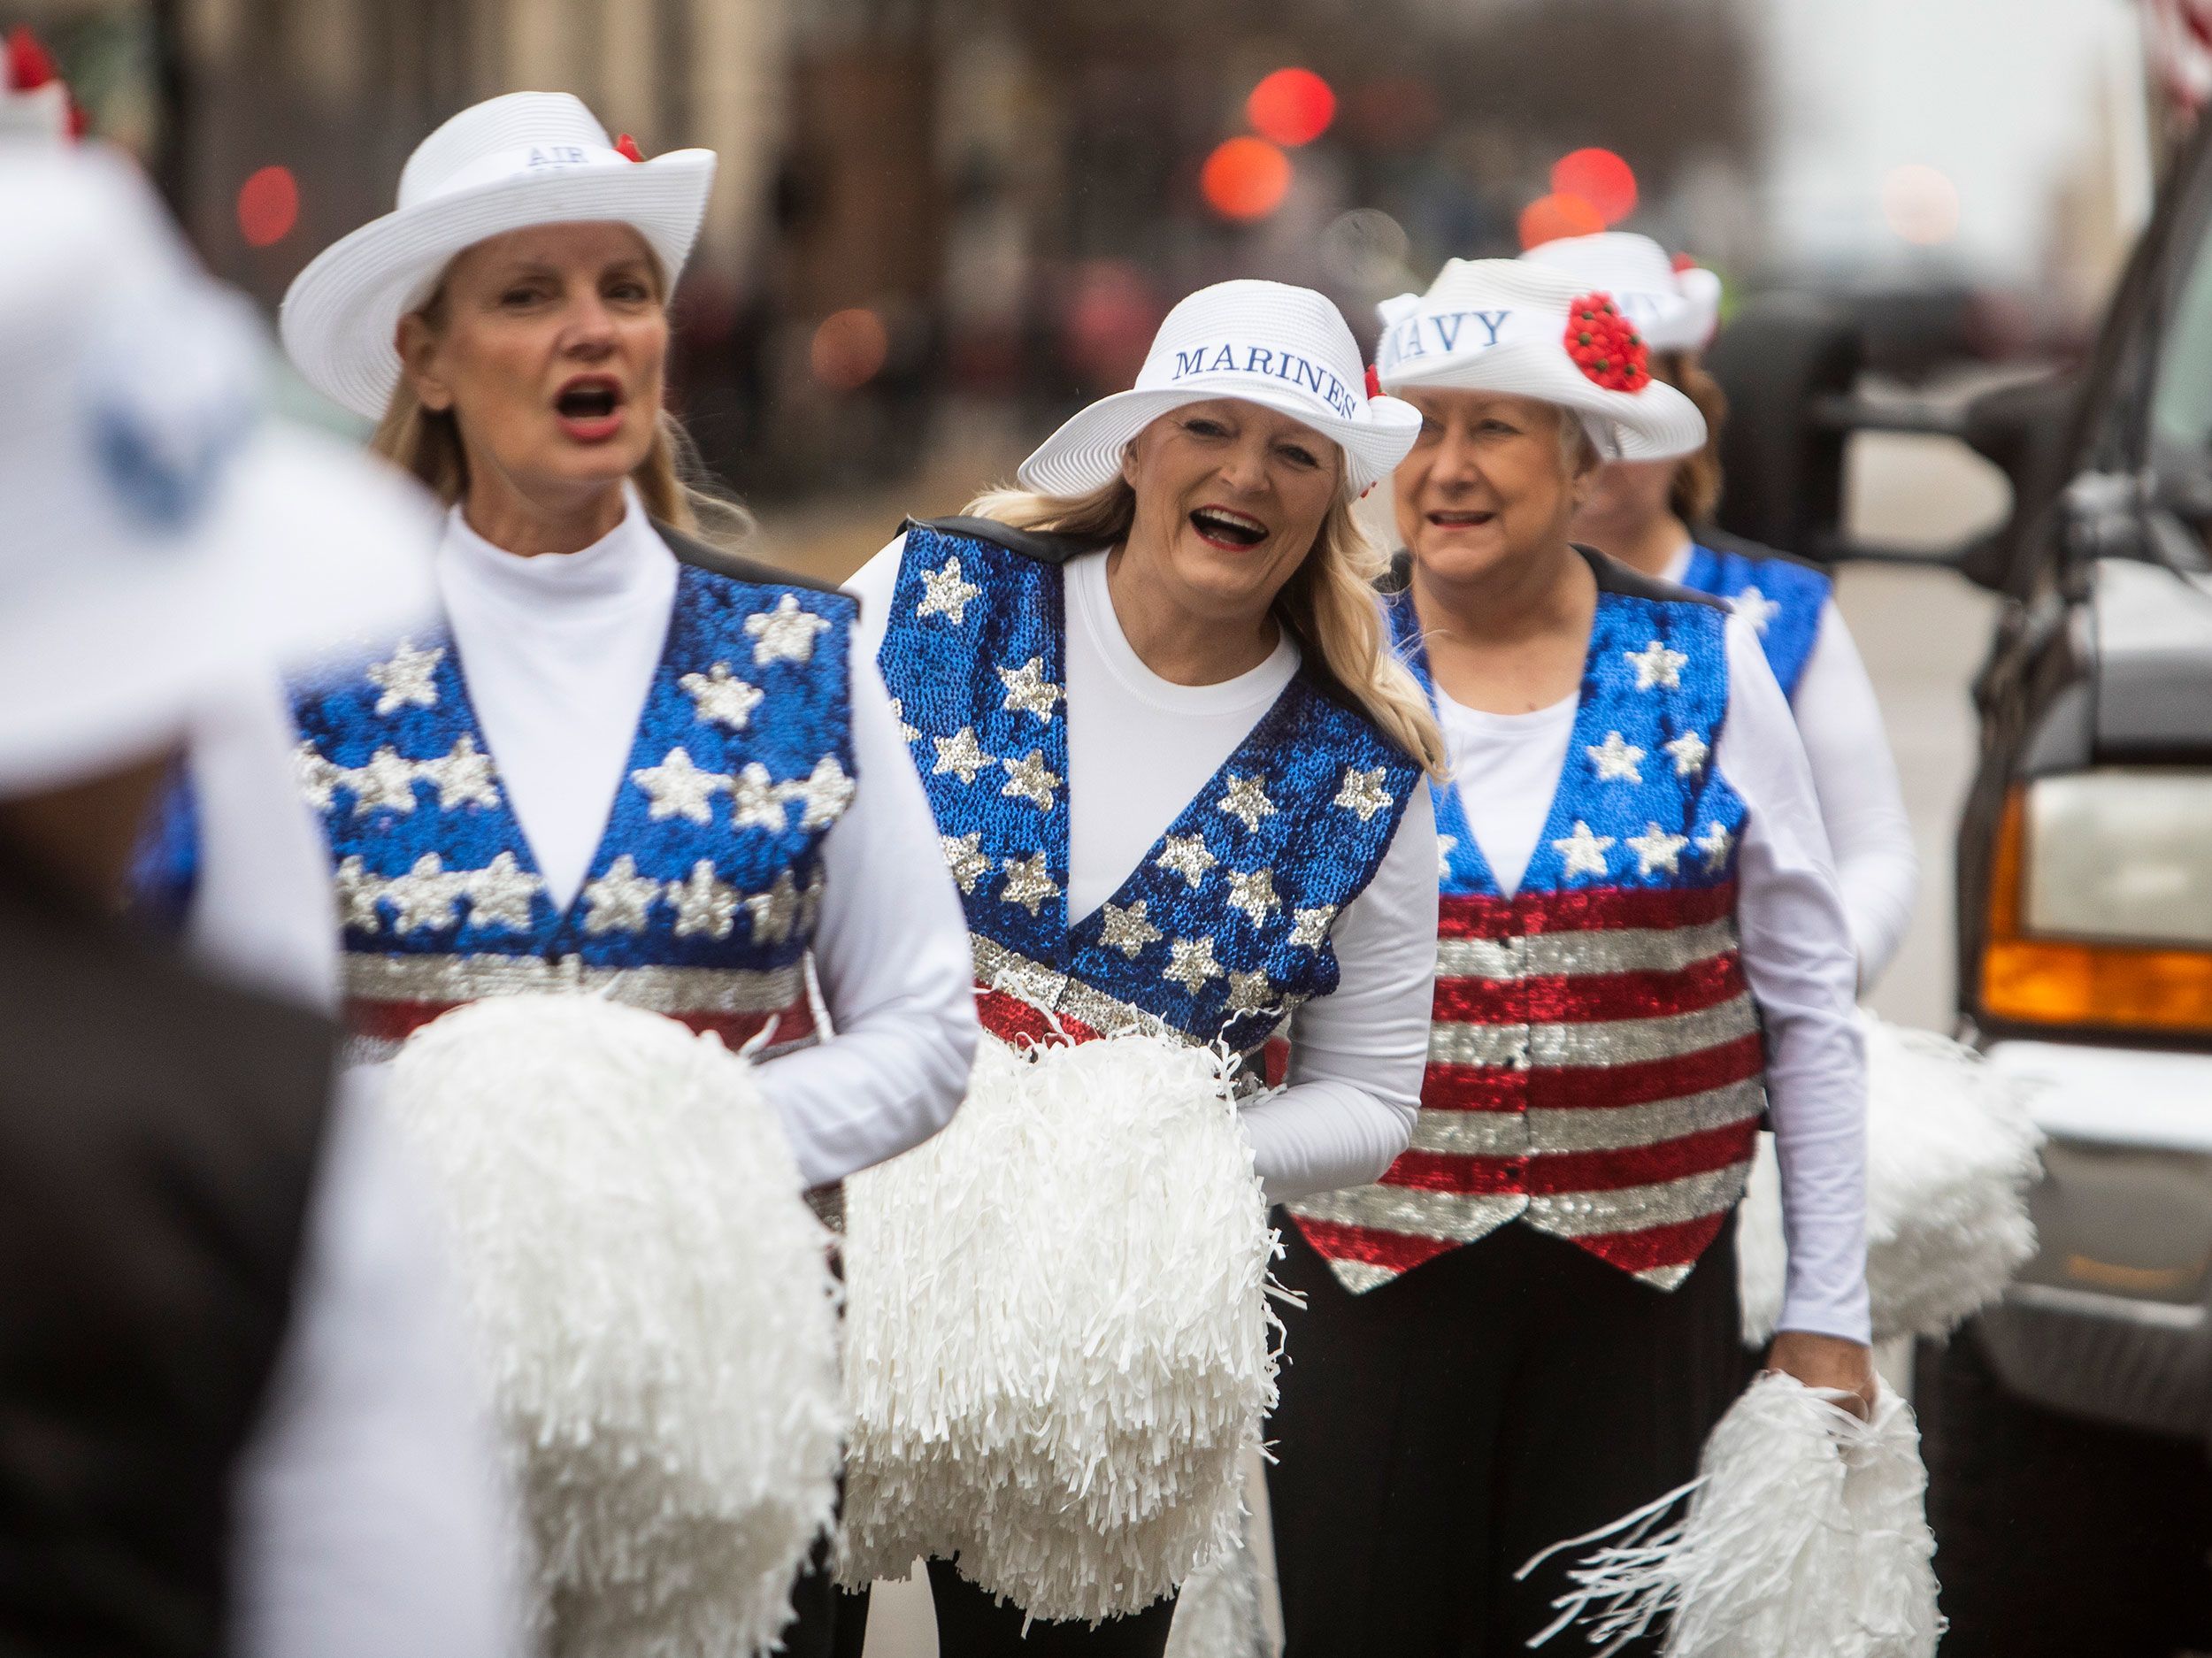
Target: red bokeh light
1548, 218
1599, 178
1245, 178
268, 206
848, 349
1291, 106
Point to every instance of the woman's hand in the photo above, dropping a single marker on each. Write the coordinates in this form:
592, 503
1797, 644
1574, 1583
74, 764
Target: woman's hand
1827, 1361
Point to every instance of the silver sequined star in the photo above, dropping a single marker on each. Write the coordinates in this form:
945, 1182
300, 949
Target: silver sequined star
1755, 608
462, 775
1030, 778
1364, 792
317, 775
1309, 928
1192, 964
907, 732
946, 594
1028, 690
1617, 760
1027, 882
387, 782
1689, 751
620, 900
1584, 852
1657, 665
1715, 843
407, 680
963, 755
678, 788
785, 633
702, 903
500, 895
1656, 849
1186, 856
1253, 891
823, 794
720, 698
756, 801
776, 911
965, 857
1252, 992
1246, 801
425, 896
1127, 930
358, 892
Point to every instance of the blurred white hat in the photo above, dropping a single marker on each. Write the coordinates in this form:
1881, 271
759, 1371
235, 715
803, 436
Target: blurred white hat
1674, 309
159, 532
527, 158
1286, 348
1504, 326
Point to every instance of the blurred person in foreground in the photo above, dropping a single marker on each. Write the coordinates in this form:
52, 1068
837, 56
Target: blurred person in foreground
1529, 1326
236, 1413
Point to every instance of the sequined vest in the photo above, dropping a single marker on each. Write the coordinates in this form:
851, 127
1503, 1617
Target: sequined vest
701, 899
1782, 599
1596, 1062
1225, 926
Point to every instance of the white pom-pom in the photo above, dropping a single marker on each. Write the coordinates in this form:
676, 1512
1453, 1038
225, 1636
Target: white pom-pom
1951, 1153
1805, 1534
654, 1302
1058, 1344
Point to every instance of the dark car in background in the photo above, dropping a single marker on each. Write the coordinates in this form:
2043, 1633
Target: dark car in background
2067, 1428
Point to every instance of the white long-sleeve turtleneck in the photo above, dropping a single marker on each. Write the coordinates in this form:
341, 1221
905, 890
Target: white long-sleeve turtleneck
1139, 749
558, 653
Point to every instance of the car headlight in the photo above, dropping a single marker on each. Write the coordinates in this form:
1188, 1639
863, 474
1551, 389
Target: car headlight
2101, 904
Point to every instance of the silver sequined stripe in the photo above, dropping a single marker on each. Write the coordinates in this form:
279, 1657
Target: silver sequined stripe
1597, 950
1459, 1216
1638, 1208
1462, 1218
1609, 1128
375, 1050
661, 989
1359, 1276
1051, 992
1595, 1041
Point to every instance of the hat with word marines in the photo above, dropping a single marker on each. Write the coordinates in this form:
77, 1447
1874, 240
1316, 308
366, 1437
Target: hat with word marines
1505, 325
1286, 348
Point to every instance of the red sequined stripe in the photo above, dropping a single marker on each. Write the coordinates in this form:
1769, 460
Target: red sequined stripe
395, 1021
1559, 1174
1453, 1172
391, 1021
1606, 908
1013, 1021
1589, 998
1675, 1245
1394, 1251
1275, 1061
1594, 1087
1473, 1089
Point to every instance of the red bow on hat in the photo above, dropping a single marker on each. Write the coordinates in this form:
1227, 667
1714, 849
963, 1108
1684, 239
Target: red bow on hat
1608, 350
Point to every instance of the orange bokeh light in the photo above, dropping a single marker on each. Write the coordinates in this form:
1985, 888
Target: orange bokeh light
849, 350
1548, 218
1599, 178
1245, 178
268, 206
1291, 107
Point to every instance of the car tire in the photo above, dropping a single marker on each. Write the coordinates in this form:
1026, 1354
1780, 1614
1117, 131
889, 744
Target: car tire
2056, 1535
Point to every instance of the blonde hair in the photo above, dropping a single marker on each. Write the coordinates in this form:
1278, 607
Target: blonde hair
1696, 491
1329, 604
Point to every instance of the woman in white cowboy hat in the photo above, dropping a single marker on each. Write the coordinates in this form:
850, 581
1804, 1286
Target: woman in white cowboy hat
1655, 516
1177, 773
626, 760
1528, 1326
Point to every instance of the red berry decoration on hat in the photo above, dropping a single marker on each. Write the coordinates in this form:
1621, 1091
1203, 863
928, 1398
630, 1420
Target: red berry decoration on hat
30, 67
1374, 381
1608, 350
627, 145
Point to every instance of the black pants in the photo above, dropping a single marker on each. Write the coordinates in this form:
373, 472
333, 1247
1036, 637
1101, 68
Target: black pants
1436, 1433
968, 1626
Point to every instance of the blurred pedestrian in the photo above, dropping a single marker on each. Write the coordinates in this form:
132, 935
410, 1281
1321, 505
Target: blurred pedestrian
628, 759
1176, 770
1641, 512
1529, 1326
239, 1417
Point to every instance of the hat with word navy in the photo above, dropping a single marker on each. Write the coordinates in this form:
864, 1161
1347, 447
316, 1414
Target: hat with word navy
527, 158
1675, 304
1505, 325
1286, 348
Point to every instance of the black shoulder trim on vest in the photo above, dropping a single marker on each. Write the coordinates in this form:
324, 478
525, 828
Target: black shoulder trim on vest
691, 550
1615, 577
1044, 546
1721, 541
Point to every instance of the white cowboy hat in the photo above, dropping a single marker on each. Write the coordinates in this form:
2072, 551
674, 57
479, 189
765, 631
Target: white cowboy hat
161, 537
1674, 309
527, 158
1286, 348
1501, 325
